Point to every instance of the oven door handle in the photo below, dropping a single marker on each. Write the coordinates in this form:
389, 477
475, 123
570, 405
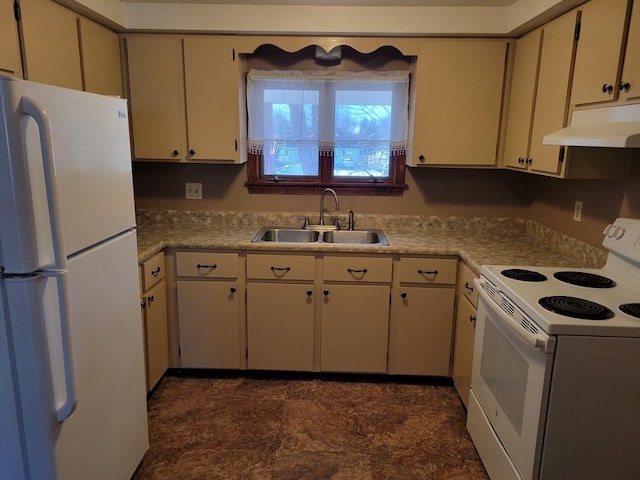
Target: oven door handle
540, 340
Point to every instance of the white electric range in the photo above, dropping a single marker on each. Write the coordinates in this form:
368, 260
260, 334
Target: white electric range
555, 390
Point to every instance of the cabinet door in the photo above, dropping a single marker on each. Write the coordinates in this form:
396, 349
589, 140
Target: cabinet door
522, 98
211, 88
552, 98
156, 333
423, 329
51, 47
280, 326
463, 348
100, 50
156, 97
209, 324
599, 51
10, 60
355, 325
631, 68
459, 90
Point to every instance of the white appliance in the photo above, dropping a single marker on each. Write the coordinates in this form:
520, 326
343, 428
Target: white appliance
555, 384
72, 379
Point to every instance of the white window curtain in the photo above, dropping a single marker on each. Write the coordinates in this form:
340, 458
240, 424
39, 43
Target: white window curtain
318, 111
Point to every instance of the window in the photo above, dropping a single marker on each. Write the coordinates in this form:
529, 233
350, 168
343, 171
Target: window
314, 129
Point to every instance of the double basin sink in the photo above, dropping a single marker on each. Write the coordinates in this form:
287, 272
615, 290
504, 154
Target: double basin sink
309, 235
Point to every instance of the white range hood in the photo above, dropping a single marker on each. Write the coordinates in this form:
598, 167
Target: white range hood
617, 127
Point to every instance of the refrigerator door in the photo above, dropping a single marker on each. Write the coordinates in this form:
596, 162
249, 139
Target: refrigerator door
12, 461
28, 419
75, 147
106, 436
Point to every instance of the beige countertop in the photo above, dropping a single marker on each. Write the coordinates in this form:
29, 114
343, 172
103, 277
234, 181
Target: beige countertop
477, 241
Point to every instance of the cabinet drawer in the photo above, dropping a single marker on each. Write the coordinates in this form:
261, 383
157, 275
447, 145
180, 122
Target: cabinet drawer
427, 270
465, 284
281, 267
207, 264
152, 271
357, 269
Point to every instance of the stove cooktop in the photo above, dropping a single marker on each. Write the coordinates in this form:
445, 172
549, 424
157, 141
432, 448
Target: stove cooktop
563, 308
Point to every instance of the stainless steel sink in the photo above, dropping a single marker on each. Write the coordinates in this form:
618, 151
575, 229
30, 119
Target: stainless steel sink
355, 237
289, 235
309, 235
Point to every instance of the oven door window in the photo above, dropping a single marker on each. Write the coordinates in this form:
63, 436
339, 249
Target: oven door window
505, 372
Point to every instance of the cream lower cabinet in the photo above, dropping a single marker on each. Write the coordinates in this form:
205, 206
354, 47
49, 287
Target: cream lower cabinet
422, 321
355, 314
209, 310
154, 314
280, 312
465, 332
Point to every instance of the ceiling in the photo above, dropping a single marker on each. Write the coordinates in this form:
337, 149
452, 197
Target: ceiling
353, 3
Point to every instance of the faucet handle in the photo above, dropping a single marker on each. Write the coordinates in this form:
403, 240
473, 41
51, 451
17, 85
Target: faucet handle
305, 224
351, 220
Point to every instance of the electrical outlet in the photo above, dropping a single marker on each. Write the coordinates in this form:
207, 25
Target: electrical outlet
193, 191
577, 211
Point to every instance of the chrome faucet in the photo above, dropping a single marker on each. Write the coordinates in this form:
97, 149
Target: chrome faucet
335, 196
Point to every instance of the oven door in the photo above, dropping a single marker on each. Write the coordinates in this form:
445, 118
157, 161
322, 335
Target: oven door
510, 379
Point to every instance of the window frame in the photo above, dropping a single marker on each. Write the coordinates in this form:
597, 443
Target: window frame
393, 184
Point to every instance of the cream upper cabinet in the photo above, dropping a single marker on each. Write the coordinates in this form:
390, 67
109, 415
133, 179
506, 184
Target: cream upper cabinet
600, 49
457, 102
184, 98
552, 97
10, 60
155, 83
629, 85
212, 80
51, 47
100, 54
522, 99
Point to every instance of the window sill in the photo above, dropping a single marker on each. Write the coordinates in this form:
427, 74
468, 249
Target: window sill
282, 187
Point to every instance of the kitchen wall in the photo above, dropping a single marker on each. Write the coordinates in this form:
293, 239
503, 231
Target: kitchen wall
432, 191
603, 201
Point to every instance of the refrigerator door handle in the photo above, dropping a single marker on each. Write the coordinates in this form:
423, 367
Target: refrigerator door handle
35, 110
66, 408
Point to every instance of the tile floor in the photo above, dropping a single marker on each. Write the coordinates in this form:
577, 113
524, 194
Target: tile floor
275, 426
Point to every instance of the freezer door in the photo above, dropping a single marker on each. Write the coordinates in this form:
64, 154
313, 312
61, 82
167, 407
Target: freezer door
65, 174
106, 436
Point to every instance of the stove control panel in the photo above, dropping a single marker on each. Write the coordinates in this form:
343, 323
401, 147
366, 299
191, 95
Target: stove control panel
623, 238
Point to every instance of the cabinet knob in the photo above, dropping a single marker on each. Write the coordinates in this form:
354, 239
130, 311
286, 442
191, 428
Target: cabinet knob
232, 289
309, 293
151, 299
192, 152
472, 318
529, 161
607, 88
624, 86
325, 292
403, 294
175, 153
421, 157
468, 287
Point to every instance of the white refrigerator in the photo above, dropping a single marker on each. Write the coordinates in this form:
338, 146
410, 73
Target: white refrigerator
72, 375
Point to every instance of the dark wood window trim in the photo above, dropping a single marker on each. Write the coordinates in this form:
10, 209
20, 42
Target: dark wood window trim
392, 186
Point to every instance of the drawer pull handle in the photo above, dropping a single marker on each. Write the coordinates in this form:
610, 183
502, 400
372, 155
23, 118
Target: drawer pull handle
281, 269
151, 299
357, 270
468, 287
210, 267
155, 272
428, 272
472, 318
